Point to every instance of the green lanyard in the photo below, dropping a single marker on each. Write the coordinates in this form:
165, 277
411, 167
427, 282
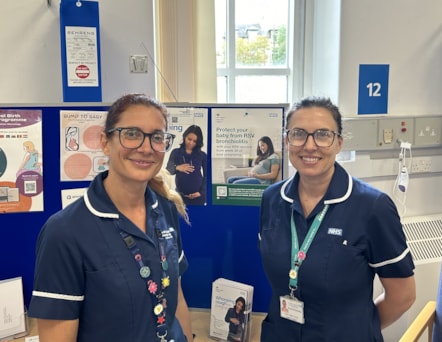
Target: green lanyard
299, 254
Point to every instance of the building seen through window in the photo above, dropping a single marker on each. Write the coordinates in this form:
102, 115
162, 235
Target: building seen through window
253, 39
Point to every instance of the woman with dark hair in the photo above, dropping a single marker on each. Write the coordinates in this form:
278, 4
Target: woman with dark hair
189, 165
266, 165
235, 317
324, 236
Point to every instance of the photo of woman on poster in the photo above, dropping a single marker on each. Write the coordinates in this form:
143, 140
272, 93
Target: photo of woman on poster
265, 168
189, 165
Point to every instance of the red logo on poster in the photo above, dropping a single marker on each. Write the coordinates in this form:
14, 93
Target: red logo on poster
82, 71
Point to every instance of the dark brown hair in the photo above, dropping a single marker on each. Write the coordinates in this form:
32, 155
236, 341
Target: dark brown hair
316, 101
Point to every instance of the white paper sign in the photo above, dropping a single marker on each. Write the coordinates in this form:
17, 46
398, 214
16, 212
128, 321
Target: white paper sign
71, 195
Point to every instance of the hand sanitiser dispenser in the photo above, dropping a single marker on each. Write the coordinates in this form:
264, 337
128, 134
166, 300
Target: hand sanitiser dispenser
403, 179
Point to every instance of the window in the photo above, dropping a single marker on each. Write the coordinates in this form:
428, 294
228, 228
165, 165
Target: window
254, 40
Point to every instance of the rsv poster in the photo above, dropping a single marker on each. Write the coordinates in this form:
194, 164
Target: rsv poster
246, 153
21, 166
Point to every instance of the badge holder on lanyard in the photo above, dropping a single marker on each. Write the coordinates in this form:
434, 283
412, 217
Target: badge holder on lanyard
295, 311
156, 292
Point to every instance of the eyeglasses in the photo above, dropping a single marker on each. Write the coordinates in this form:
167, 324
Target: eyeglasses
321, 137
133, 137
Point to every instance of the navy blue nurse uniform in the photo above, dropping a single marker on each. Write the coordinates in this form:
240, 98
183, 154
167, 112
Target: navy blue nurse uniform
85, 271
360, 236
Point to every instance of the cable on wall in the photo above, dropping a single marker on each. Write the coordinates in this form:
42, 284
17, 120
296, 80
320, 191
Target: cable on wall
400, 186
159, 71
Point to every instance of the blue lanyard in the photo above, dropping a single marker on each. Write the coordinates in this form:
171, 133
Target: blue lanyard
299, 254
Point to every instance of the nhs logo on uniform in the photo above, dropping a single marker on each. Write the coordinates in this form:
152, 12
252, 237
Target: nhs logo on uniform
335, 231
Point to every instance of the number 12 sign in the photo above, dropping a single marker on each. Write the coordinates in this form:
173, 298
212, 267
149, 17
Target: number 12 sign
373, 88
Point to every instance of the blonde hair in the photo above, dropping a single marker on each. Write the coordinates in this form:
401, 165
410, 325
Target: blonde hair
29, 145
160, 185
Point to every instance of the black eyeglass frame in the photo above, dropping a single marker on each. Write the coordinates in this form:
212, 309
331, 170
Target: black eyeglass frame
312, 134
120, 129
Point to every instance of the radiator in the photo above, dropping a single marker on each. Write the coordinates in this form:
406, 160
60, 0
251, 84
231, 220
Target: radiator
424, 236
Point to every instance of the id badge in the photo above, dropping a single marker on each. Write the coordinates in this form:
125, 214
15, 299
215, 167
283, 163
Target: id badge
291, 308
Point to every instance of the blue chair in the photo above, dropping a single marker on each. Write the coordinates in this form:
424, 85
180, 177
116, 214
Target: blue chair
429, 319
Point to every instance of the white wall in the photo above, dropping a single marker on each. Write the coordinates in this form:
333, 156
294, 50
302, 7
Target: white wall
322, 48
30, 49
407, 35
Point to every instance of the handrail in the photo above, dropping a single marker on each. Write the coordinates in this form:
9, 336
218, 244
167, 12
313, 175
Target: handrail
423, 321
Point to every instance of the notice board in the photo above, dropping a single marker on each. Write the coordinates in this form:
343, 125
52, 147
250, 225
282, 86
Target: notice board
222, 239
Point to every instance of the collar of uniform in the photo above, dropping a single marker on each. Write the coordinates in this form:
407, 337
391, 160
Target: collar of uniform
99, 203
339, 189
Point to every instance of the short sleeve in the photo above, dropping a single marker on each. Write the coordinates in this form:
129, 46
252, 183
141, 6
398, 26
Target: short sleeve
58, 271
388, 250
274, 159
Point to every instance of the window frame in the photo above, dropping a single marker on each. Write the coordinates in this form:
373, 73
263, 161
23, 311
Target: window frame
293, 70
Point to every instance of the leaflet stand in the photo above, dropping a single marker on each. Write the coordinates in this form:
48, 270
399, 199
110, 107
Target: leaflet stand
13, 316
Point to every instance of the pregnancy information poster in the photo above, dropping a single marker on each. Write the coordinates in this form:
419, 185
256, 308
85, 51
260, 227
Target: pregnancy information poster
21, 169
236, 133
81, 156
180, 120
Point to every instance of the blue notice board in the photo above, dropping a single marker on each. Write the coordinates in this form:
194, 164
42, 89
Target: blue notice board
373, 89
222, 241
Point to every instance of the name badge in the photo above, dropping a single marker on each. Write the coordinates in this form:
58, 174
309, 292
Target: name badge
291, 308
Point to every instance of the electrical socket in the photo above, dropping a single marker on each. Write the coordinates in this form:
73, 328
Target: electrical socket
421, 164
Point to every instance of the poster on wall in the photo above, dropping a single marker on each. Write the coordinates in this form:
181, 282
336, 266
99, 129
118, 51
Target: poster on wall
246, 153
21, 166
81, 157
186, 162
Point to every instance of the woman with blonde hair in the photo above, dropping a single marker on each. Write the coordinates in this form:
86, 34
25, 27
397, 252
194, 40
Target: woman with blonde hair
109, 265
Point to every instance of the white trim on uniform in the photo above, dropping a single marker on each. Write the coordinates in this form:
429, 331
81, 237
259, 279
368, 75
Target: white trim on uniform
181, 256
391, 261
57, 296
330, 201
96, 212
